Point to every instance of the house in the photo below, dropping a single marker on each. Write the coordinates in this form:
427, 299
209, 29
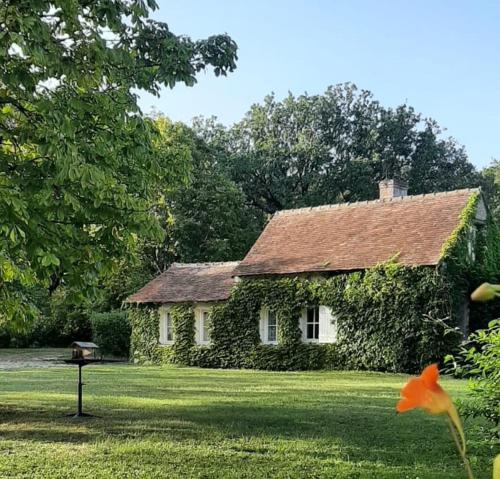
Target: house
318, 243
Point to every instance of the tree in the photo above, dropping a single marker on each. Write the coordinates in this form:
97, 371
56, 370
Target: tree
206, 218
335, 147
211, 221
78, 176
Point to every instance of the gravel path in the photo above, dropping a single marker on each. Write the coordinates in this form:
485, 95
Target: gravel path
32, 358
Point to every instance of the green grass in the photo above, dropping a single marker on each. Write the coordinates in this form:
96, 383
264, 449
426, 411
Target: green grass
181, 423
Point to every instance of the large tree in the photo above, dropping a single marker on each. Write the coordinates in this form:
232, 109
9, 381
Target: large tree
78, 173
335, 147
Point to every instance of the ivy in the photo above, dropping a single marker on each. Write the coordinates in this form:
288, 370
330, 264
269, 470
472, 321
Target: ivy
183, 327
144, 321
390, 318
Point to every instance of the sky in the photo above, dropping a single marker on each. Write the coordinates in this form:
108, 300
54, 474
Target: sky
439, 56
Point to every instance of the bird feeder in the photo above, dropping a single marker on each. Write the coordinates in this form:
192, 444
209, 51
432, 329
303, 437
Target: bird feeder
84, 350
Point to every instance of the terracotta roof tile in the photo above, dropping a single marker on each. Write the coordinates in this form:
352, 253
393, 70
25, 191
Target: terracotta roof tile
357, 235
197, 282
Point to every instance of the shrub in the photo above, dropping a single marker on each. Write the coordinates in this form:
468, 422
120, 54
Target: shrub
111, 332
480, 361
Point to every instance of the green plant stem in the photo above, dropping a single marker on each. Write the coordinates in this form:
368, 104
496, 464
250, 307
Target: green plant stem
461, 449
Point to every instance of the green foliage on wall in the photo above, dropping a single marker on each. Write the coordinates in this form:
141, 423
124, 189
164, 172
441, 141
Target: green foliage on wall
466, 271
390, 318
393, 318
183, 328
144, 321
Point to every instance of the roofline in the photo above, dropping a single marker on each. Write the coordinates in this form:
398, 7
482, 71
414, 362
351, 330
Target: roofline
322, 270
202, 265
354, 204
177, 302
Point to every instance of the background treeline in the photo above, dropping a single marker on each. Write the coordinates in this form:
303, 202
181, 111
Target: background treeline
220, 184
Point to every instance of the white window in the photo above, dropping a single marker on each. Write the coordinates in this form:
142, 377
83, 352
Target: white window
205, 326
166, 327
169, 329
312, 324
272, 327
268, 326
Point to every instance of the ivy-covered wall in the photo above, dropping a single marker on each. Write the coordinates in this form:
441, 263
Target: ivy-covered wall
389, 318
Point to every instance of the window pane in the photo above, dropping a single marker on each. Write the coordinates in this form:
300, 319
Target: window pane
206, 324
271, 318
271, 333
312, 324
168, 327
310, 331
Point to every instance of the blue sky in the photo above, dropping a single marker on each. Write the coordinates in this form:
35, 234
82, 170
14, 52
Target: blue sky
440, 56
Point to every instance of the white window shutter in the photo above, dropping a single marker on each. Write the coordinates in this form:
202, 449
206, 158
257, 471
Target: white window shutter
163, 317
327, 325
262, 325
197, 325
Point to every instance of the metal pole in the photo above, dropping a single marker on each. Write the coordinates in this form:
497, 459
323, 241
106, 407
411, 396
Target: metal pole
80, 412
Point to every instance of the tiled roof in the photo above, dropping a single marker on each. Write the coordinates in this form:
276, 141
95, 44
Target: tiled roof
356, 235
197, 282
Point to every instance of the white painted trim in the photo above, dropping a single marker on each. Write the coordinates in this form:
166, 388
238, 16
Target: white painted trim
199, 319
303, 327
163, 311
327, 326
264, 326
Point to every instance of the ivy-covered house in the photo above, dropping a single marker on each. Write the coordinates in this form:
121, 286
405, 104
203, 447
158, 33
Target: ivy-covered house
379, 284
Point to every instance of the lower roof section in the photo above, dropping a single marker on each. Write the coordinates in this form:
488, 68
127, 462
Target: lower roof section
186, 282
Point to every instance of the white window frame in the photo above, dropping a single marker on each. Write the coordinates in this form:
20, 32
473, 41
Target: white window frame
202, 339
270, 312
315, 324
166, 326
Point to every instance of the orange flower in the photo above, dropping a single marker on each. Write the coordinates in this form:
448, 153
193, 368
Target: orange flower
425, 392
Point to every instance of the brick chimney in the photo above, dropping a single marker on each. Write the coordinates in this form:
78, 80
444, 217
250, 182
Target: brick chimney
392, 189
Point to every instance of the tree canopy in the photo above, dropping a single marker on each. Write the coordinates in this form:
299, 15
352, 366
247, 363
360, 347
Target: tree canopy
79, 165
311, 150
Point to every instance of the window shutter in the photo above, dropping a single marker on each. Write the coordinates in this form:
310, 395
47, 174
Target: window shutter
262, 325
163, 317
327, 325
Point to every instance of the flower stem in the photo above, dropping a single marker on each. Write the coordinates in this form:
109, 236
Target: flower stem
460, 448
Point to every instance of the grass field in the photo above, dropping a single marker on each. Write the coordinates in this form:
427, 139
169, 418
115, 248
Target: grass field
181, 423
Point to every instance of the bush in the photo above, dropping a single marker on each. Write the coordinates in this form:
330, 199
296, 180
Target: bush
111, 332
480, 361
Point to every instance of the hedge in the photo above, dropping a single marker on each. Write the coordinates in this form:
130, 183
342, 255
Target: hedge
111, 332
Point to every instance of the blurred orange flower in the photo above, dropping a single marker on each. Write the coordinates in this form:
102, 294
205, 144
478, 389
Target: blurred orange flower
425, 392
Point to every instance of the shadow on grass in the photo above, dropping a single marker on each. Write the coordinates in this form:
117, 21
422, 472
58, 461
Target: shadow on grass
366, 430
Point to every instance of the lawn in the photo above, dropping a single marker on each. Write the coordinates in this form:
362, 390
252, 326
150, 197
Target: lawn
181, 423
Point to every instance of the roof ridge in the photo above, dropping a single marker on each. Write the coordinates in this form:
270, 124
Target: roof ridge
354, 204
206, 264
